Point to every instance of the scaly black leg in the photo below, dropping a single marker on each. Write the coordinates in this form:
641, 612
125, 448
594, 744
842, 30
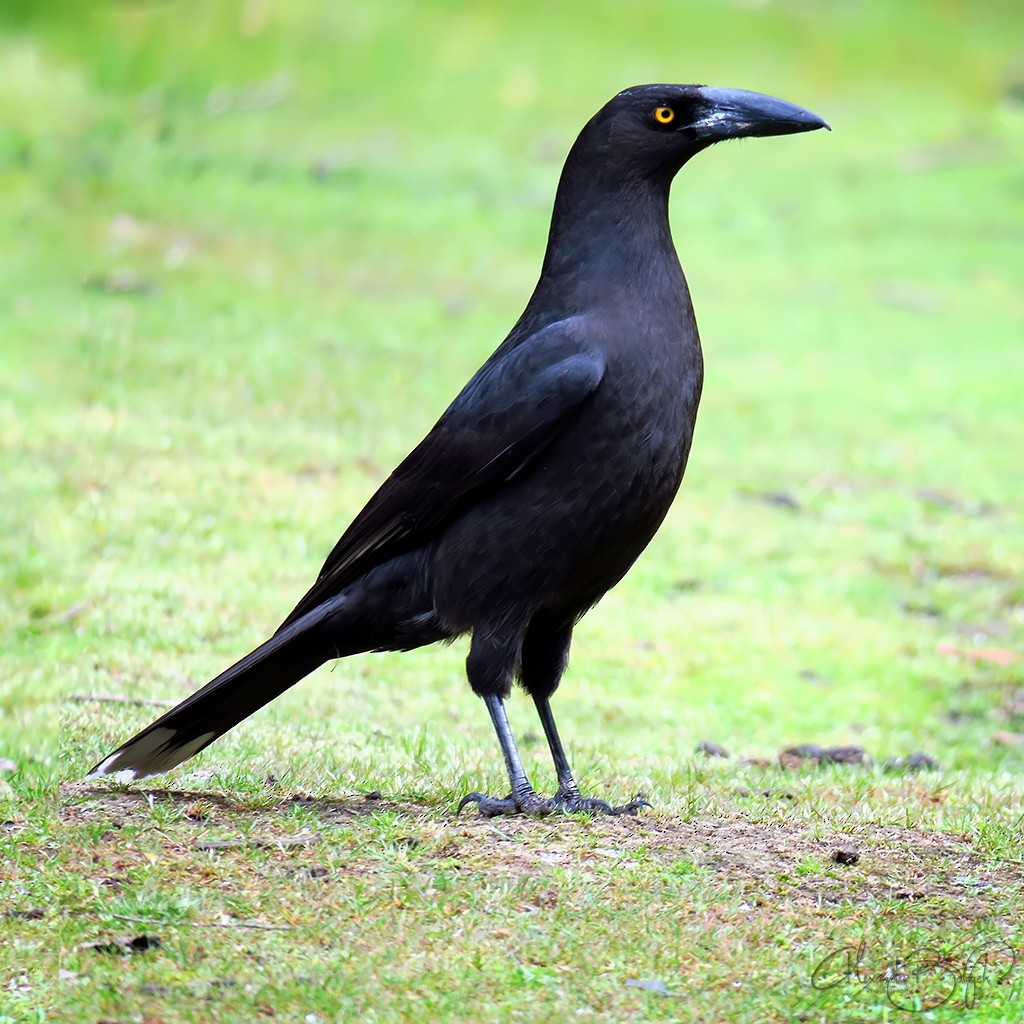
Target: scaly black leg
568, 796
544, 653
523, 799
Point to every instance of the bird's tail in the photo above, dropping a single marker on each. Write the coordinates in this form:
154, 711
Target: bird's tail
222, 703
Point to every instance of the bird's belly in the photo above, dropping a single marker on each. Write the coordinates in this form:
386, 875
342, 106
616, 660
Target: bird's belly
568, 528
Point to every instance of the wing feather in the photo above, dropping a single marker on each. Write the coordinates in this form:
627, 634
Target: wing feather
508, 412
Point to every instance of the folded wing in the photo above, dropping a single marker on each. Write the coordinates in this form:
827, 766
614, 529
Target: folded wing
505, 416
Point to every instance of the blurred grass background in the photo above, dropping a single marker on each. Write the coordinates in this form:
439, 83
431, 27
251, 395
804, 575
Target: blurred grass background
254, 248
250, 251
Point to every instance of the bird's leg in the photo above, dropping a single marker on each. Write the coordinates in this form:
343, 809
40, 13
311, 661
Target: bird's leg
523, 799
567, 788
568, 796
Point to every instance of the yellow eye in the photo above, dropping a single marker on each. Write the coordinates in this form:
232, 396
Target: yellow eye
664, 115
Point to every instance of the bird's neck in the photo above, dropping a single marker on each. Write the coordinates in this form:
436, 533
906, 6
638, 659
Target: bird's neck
607, 232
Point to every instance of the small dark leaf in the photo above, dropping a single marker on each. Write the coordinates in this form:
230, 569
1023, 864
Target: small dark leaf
845, 855
845, 755
916, 762
793, 757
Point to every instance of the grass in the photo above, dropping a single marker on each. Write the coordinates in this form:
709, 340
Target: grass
250, 251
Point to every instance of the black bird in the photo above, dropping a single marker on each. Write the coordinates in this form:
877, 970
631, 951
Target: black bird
546, 477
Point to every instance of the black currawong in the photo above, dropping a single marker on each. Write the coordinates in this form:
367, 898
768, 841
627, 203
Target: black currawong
546, 477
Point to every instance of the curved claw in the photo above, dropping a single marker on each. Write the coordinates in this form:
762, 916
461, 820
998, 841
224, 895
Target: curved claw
491, 806
575, 803
470, 798
632, 807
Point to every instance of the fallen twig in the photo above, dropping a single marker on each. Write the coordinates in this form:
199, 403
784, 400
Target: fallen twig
101, 698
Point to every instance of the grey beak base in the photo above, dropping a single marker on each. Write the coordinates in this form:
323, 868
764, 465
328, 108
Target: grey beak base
737, 113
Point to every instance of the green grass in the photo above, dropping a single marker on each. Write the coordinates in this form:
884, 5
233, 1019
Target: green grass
250, 252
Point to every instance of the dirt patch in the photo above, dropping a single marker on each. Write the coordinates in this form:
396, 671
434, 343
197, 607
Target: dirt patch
768, 862
781, 860
81, 802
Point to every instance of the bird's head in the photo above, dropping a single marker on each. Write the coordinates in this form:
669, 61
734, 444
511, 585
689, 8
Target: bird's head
659, 127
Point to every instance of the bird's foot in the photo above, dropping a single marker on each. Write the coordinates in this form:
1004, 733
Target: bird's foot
571, 801
527, 802
564, 802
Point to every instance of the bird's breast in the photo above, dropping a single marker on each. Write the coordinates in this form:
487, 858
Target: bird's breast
568, 526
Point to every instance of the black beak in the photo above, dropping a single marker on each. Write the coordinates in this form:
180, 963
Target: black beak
737, 114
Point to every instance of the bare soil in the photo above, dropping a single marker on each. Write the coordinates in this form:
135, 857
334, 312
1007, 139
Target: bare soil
770, 862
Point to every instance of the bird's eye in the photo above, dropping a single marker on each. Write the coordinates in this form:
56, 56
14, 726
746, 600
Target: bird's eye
664, 115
